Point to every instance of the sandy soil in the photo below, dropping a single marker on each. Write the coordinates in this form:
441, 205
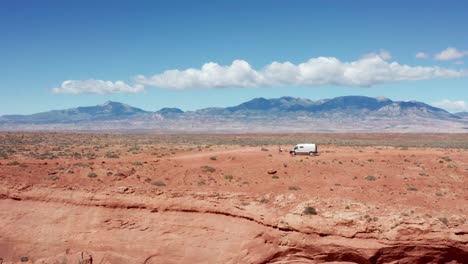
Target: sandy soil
161, 203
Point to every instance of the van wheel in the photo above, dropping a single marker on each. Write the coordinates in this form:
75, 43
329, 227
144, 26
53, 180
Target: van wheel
293, 153
311, 153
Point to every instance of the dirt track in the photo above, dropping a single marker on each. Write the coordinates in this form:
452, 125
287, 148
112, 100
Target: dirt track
232, 204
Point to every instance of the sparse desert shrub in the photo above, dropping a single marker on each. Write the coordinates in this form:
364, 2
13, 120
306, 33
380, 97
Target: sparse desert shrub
213, 158
112, 155
24, 259
371, 178
439, 194
411, 188
275, 177
3, 154
92, 175
13, 163
90, 155
158, 183
208, 168
137, 163
294, 188
201, 182
134, 148
81, 164
444, 220
264, 149
264, 200
448, 159
308, 210
54, 177
228, 177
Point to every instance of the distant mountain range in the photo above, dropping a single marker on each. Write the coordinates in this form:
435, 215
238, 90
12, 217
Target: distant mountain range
285, 114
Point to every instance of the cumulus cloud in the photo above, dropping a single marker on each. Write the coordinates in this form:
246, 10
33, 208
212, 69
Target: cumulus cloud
453, 106
97, 87
370, 70
384, 54
421, 55
450, 54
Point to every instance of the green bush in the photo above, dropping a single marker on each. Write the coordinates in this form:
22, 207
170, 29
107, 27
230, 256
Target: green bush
208, 168
134, 148
158, 183
54, 177
444, 220
309, 211
371, 178
201, 182
111, 155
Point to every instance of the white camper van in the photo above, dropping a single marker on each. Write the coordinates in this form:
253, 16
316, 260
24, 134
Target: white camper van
308, 149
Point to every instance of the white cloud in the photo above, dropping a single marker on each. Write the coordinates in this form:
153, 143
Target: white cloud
97, 87
370, 70
421, 55
453, 106
384, 54
450, 54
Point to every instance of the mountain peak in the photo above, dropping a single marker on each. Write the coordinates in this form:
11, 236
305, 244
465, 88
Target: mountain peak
169, 110
112, 103
286, 108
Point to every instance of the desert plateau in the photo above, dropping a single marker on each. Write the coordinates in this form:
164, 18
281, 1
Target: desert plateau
110, 198
233, 132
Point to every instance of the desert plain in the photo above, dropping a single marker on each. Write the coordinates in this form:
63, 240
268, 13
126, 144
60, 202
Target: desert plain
110, 198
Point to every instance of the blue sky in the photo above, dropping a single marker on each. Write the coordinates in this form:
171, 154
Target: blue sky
46, 43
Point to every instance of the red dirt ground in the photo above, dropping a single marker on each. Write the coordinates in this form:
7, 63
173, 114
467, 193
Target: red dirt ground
231, 203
